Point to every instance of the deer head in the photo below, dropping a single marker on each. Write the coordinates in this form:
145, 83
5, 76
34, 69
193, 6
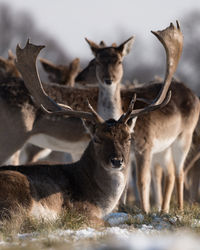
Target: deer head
62, 74
8, 67
108, 60
88, 75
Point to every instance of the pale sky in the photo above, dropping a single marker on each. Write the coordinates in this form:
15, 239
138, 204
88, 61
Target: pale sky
69, 21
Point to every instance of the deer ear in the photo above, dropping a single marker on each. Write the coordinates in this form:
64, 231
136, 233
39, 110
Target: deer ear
131, 124
2, 63
102, 44
93, 46
49, 66
126, 46
74, 66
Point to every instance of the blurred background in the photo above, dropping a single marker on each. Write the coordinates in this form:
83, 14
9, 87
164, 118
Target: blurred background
62, 26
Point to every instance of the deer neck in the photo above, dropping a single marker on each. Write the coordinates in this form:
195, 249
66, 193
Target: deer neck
109, 101
104, 187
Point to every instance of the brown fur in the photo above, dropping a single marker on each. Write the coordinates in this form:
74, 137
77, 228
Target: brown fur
192, 170
90, 185
62, 74
7, 67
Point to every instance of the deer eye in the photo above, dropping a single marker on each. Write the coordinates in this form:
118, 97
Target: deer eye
96, 140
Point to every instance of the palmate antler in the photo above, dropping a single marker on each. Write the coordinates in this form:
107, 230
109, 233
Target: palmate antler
172, 40
26, 64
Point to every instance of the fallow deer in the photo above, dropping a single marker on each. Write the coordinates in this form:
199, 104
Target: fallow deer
161, 137
7, 67
94, 184
62, 74
192, 170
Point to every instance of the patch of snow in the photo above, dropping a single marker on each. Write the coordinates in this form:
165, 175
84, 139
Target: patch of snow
27, 236
141, 241
127, 238
115, 219
195, 223
139, 218
146, 228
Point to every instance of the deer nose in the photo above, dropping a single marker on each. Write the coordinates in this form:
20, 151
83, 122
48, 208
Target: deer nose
117, 162
108, 81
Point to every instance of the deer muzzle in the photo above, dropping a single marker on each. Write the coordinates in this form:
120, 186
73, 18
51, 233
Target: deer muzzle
117, 163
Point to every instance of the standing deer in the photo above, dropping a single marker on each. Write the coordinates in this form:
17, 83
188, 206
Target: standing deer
162, 137
192, 170
94, 184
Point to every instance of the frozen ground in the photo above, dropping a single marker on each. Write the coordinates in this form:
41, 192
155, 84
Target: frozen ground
158, 235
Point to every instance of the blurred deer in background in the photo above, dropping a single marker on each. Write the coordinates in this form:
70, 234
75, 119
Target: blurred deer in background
62, 74
8, 67
192, 169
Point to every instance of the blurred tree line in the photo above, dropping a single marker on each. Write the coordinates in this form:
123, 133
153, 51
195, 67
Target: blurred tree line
15, 27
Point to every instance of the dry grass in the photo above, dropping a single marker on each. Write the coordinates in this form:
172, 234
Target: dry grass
21, 224
41, 230
188, 219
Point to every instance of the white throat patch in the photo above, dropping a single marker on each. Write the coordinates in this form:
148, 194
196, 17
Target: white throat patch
109, 102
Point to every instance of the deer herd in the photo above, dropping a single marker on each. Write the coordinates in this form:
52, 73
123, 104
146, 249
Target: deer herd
103, 125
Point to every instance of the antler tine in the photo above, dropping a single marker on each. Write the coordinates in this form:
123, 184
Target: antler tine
11, 56
26, 64
93, 116
151, 107
172, 40
125, 117
97, 117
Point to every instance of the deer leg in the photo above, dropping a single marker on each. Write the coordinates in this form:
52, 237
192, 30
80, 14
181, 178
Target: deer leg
123, 197
157, 174
169, 180
13, 131
15, 158
143, 162
8, 149
180, 149
194, 175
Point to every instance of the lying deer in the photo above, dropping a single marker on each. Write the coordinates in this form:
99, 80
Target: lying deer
94, 184
162, 137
